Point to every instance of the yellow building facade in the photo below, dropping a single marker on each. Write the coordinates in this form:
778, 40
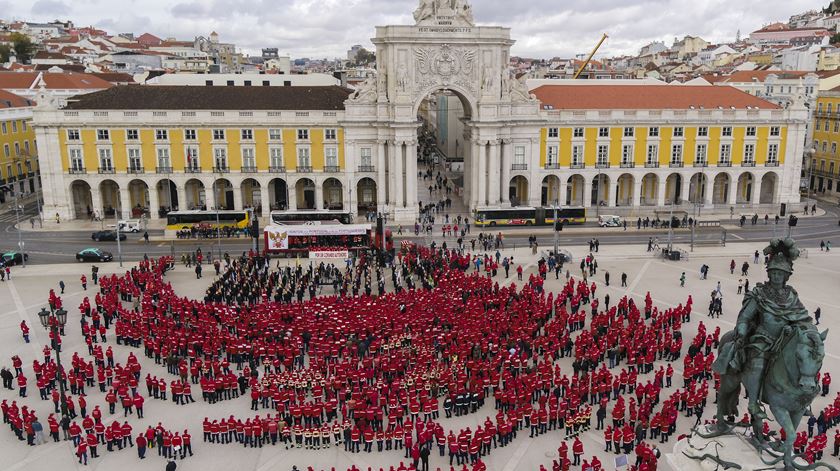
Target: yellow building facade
18, 150
822, 166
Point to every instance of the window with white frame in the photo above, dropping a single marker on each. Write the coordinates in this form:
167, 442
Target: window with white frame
102, 135
14, 126
627, 153
72, 134
750, 131
218, 134
773, 153
819, 107
303, 134
330, 134
551, 158
132, 135
553, 132
163, 160
700, 156
776, 131
23, 125
161, 134
837, 126
248, 159
275, 134
220, 158
77, 162
191, 154
725, 153
726, 131
247, 134
17, 148
827, 124
749, 153
679, 131
577, 155
7, 151
629, 132
366, 157
834, 148
6, 129
653, 131
519, 155
304, 159
577, 132
603, 132
603, 156
702, 131
106, 161
676, 154
190, 135
652, 153
824, 146
135, 162
26, 147
275, 155
331, 156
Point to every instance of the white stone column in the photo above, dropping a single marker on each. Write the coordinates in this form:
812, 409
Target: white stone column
733, 192
708, 198
494, 195
381, 180
411, 175
265, 202
587, 192
660, 192
475, 158
534, 183
292, 193
319, 194
211, 194
182, 196
154, 202
637, 193
399, 186
482, 174
561, 192
347, 194
125, 204
506, 163
684, 188
96, 199
611, 192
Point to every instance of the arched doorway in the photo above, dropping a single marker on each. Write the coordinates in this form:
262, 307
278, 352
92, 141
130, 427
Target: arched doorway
305, 192
195, 195
550, 193
697, 188
138, 198
82, 200
625, 190
251, 194
109, 191
720, 190
223, 194
278, 194
768, 188
650, 190
366, 196
600, 190
518, 191
333, 194
574, 191
673, 189
745, 188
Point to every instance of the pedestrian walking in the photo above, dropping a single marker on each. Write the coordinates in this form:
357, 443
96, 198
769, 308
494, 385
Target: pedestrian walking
61, 285
624, 280
682, 280
83, 279
740, 286
817, 315
146, 236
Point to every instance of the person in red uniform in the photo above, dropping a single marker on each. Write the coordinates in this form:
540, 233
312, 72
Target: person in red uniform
141, 446
577, 451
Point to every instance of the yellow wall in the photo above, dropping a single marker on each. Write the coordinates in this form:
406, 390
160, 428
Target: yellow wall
19, 136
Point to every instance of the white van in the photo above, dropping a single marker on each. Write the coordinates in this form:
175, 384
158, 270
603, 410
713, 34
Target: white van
609, 221
132, 225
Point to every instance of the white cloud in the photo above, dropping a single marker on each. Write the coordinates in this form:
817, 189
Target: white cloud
326, 28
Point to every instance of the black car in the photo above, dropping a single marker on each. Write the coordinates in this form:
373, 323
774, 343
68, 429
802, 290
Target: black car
105, 236
94, 255
13, 258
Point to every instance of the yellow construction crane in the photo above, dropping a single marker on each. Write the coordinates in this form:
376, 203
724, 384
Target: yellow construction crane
591, 54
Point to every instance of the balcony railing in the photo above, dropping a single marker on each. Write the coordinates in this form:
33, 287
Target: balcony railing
628, 164
77, 171
275, 169
577, 165
747, 164
366, 169
164, 170
303, 169
552, 166
249, 169
724, 164
192, 170
701, 164
224, 169
136, 170
106, 170
651, 164
677, 164
519, 167
331, 169
771, 163
602, 165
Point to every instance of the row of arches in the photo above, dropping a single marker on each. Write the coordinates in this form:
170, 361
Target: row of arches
622, 192
107, 198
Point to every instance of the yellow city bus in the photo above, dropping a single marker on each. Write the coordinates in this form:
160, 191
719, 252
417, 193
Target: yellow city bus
177, 220
524, 216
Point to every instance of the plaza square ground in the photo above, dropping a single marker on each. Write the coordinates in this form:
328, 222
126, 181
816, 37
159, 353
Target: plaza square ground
817, 279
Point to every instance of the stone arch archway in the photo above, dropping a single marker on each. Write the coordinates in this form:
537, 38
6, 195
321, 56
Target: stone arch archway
251, 194
278, 194
650, 190
673, 189
575, 188
767, 194
600, 189
697, 188
625, 190
305, 194
720, 189
111, 204
333, 192
138, 198
82, 199
746, 182
195, 195
366, 201
550, 190
223, 194
518, 191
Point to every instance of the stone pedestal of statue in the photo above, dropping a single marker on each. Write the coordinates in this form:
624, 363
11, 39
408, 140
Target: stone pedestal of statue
734, 448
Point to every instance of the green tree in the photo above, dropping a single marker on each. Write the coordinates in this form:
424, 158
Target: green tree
5, 51
364, 57
835, 38
23, 47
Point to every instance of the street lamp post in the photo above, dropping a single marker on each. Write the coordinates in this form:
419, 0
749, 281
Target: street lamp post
556, 235
17, 225
55, 321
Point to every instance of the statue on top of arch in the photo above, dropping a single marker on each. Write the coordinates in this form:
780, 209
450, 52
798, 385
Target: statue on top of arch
429, 10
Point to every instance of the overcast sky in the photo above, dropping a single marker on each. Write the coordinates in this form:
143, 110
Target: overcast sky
326, 28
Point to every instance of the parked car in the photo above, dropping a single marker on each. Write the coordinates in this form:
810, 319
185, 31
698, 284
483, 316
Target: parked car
103, 236
609, 221
13, 258
131, 225
94, 255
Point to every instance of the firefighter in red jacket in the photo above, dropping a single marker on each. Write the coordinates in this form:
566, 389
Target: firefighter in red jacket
577, 451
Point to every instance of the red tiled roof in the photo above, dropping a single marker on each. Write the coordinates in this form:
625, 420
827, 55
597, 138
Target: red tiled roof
10, 100
645, 97
54, 81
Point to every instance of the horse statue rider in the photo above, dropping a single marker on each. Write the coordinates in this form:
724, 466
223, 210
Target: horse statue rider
775, 351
